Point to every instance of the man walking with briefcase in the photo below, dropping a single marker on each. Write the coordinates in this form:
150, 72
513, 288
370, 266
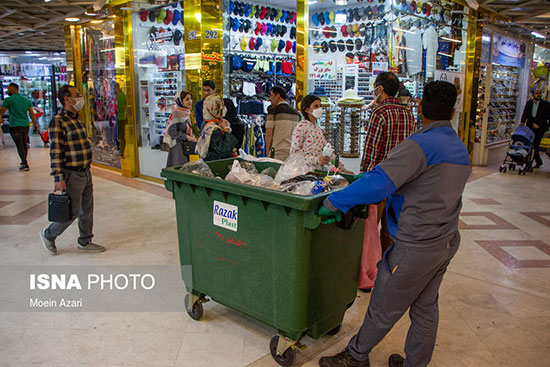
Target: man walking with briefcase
71, 155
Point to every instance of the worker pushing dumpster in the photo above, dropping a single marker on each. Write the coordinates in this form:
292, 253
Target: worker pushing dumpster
266, 254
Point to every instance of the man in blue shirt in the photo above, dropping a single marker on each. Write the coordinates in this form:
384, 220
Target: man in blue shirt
20, 109
423, 177
208, 88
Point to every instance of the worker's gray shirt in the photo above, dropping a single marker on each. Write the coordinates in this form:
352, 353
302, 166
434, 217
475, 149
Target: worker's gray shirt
423, 178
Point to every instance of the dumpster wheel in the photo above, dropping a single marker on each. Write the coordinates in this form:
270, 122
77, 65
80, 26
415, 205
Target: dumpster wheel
287, 357
196, 311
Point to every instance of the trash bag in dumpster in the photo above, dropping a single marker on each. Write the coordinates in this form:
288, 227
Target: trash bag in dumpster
197, 167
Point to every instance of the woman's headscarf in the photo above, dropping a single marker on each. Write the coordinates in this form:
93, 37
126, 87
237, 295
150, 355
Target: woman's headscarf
213, 108
179, 114
213, 112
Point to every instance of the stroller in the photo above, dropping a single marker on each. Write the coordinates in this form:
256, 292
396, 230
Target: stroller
521, 151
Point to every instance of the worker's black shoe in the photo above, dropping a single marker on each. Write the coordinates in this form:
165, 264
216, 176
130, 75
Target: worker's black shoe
396, 360
342, 359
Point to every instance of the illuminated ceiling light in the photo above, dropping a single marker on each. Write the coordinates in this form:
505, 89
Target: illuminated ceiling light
28, 52
72, 19
341, 2
538, 35
96, 21
91, 13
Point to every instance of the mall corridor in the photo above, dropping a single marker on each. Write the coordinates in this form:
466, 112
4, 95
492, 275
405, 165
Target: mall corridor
494, 301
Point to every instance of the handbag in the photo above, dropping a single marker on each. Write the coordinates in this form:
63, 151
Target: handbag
59, 208
189, 147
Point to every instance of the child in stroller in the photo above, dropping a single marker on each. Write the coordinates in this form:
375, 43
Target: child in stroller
521, 151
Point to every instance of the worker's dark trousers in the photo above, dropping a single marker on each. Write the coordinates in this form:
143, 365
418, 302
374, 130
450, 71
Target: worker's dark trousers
407, 277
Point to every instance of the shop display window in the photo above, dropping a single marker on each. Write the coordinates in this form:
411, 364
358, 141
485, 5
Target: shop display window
259, 47
540, 71
37, 82
99, 81
351, 42
159, 56
499, 92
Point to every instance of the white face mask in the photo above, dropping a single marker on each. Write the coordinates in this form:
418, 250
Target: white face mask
376, 95
78, 103
317, 113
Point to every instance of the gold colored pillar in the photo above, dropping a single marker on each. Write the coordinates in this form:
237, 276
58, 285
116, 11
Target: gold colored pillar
471, 83
302, 31
203, 45
192, 41
124, 59
69, 59
211, 40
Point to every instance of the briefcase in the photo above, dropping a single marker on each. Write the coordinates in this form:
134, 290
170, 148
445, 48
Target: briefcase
59, 208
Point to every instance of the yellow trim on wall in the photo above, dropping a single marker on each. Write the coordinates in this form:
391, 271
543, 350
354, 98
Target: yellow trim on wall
302, 31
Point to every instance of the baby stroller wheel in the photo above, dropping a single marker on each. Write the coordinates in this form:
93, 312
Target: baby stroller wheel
519, 171
513, 167
502, 168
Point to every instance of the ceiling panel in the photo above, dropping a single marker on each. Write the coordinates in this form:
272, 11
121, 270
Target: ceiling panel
36, 24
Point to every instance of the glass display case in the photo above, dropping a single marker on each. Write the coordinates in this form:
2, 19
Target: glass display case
159, 64
99, 81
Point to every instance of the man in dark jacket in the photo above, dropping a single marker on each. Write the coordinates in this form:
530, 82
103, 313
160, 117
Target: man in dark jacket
536, 115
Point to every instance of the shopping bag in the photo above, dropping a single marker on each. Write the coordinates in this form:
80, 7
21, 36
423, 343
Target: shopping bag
372, 251
59, 207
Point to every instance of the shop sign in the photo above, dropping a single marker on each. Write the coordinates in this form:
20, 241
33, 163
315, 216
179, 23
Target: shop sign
508, 51
214, 56
379, 67
34, 70
322, 70
225, 215
193, 61
457, 79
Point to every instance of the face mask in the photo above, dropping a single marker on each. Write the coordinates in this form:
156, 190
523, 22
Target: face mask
317, 113
376, 95
79, 103
224, 111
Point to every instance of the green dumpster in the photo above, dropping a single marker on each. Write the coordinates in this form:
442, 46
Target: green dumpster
266, 254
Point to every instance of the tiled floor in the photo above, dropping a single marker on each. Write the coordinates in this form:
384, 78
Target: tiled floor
494, 302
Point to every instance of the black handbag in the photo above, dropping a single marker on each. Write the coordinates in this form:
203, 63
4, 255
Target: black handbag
189, 147
59, 208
